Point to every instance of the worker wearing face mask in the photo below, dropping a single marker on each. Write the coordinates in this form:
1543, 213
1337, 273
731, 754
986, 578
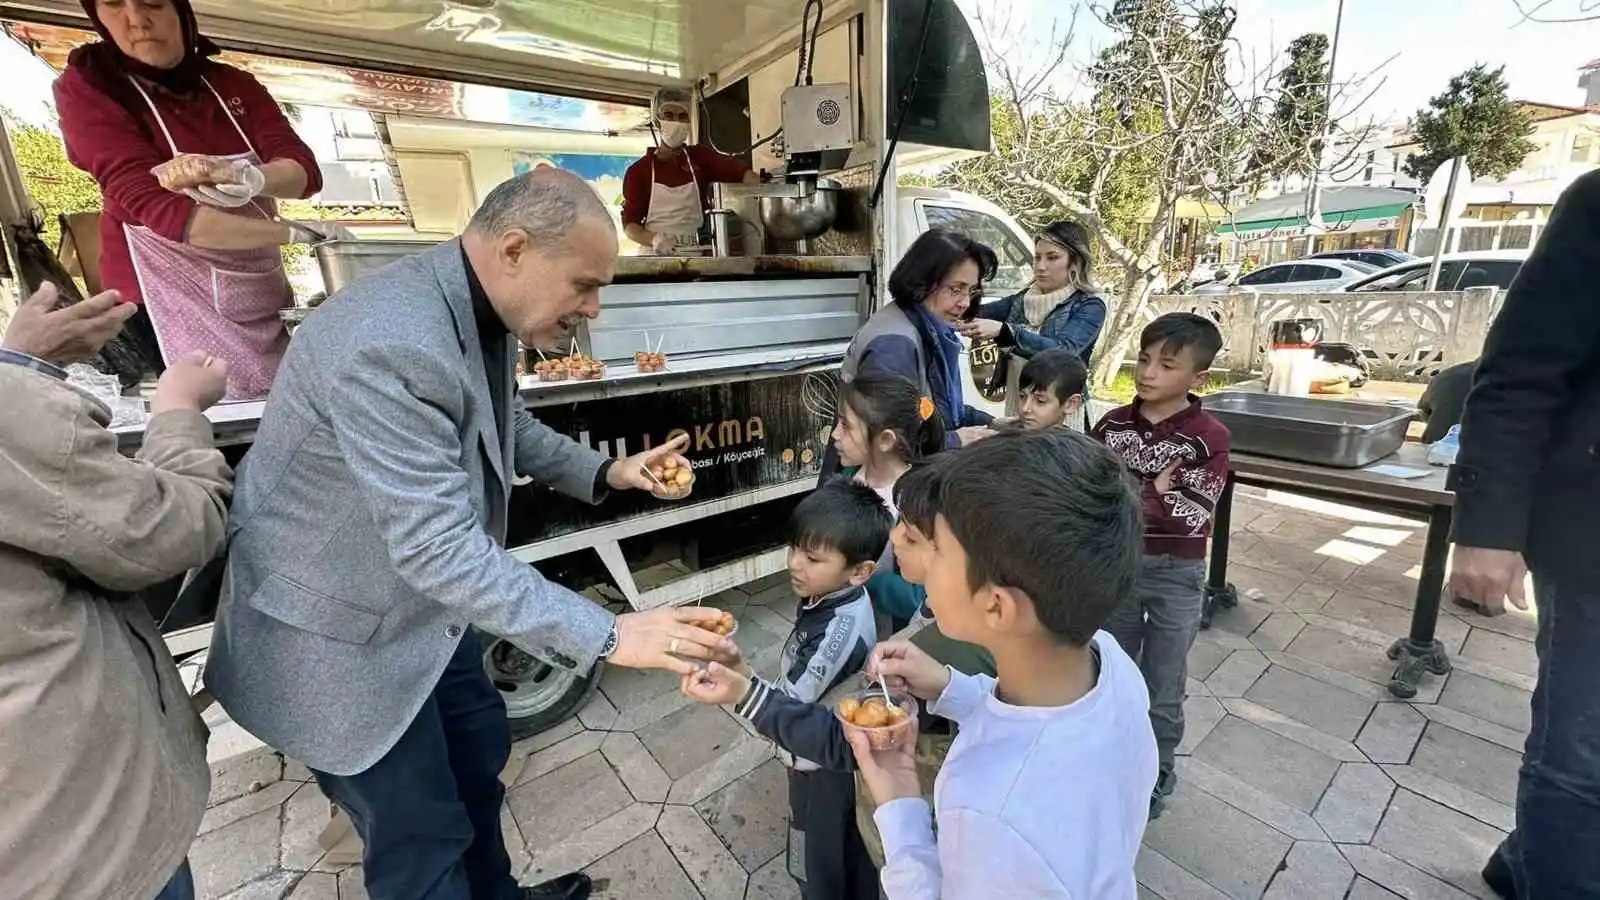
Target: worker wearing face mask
665, 193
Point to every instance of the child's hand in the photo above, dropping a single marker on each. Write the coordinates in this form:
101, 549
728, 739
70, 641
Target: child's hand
890, 774
1163, 482
906, 667
716, 685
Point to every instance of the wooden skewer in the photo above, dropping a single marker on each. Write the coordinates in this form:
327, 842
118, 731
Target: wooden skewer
652, 476
542, 357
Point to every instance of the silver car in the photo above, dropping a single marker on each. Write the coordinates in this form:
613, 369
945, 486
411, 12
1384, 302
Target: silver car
1298, 276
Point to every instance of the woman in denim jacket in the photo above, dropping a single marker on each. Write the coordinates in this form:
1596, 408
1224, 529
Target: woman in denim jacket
1062, 308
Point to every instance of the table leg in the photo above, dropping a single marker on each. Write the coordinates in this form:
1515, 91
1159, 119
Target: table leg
1219, 593
1420, 651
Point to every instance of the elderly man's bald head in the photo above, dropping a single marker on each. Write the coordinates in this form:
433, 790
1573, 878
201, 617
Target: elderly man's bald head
542, 246
546, 203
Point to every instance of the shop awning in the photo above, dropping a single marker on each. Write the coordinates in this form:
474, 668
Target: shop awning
1350, 209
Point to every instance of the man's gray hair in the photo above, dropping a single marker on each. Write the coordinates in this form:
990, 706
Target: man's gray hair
545, 203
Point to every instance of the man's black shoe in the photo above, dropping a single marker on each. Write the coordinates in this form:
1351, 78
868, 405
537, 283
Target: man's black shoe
1497, 875
575, 886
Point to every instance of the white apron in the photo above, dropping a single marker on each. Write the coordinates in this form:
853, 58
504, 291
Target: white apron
224, 302
676, 211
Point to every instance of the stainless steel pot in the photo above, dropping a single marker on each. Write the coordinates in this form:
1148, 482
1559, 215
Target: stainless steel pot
342, 262
803, 215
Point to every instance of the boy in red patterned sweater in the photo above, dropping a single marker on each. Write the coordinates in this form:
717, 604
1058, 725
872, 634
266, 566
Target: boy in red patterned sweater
1179, 452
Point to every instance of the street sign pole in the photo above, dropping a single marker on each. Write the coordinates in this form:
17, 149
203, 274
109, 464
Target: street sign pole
1445, 216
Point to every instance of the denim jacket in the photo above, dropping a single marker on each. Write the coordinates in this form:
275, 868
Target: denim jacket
1074, 324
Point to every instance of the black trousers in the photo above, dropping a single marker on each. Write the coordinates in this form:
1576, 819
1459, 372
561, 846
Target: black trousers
429, 812
824, 841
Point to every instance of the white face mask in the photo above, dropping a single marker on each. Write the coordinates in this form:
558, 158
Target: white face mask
674, 134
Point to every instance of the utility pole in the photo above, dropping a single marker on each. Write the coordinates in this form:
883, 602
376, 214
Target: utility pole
1314, 193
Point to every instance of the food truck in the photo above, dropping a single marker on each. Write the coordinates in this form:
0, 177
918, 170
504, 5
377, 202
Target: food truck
737, 346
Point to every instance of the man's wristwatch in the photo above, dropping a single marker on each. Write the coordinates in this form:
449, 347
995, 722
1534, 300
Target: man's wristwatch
610, 645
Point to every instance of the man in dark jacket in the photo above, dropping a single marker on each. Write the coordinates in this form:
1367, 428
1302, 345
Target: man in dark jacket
1527, 485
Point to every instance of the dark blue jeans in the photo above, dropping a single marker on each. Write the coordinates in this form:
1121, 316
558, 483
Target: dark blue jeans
181, 887
429, 812
1553, 853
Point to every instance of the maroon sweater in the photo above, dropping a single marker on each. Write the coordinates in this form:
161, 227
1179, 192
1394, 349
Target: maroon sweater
1178, 521
119, 148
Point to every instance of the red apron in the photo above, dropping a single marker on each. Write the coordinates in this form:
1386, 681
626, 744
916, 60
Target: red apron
224, 302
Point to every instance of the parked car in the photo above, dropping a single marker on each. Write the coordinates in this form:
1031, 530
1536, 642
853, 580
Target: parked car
1458, 272
1381, 258
1296, 276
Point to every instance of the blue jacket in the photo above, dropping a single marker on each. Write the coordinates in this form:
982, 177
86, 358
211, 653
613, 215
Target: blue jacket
893, 341
1074, 324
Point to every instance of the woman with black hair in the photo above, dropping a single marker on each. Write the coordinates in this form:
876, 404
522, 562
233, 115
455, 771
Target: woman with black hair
934, 287
1062, 308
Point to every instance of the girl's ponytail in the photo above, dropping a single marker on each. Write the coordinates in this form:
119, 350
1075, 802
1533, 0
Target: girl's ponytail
929, 437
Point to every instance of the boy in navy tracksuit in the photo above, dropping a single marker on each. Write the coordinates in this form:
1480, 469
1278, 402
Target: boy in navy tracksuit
837, 535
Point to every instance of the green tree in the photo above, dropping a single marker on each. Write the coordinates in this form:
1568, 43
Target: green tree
56, 185
1301, 109
1474, 118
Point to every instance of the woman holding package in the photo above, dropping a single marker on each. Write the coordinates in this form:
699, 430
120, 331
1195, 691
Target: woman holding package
189, 154
1062, 308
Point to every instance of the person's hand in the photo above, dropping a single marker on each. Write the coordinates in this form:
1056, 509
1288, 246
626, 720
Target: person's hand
987, 329
974, 433
195, 382
670, 638
245, 181
890, 774
716, 685
190, 170
1163, 481
632, 473
663, 244
906, 667
69, 334
1489, 578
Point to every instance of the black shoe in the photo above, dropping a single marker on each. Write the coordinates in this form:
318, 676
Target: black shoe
1166, 782
575, 886
1157, 805
1497, 875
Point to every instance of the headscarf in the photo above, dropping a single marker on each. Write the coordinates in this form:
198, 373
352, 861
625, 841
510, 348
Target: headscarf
107, 68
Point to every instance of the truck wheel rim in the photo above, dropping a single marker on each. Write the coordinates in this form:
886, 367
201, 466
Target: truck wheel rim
528, 685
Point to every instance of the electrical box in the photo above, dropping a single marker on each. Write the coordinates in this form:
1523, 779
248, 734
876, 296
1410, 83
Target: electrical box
817, 118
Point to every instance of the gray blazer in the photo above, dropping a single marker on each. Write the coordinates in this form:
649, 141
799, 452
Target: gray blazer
368, 519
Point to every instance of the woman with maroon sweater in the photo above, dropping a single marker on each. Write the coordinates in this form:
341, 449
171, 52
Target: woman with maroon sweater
188, 153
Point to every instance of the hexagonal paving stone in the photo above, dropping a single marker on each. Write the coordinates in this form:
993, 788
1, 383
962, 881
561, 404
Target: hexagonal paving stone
1492, 701
1509, 653
563, 802
1228, 849
751, 816
1470, 762
235, 853
690, 738
1291, 772
1437, 840
1318, 704
643, 867
1342, 652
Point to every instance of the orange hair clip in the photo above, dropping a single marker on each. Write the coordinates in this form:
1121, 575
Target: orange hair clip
925, 408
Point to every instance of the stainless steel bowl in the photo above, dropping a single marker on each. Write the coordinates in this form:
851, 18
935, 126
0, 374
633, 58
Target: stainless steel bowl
800, 218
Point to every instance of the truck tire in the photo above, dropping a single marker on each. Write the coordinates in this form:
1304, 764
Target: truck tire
538, 696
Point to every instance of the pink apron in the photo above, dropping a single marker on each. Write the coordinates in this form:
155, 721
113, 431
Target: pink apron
224, 302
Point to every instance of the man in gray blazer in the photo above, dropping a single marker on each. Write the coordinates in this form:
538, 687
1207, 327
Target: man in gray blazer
367, 540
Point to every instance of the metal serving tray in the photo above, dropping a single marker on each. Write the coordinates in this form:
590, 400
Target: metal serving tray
1343, 434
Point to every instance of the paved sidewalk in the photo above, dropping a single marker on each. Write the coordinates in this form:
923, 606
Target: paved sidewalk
1300, 777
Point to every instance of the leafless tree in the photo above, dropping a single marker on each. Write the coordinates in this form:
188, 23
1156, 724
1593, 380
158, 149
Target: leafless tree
1173, 110
1558, 12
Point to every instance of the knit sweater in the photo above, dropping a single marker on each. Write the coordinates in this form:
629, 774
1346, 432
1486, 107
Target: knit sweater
1178, 521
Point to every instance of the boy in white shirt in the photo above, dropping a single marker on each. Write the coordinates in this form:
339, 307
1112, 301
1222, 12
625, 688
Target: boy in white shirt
1045, 792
